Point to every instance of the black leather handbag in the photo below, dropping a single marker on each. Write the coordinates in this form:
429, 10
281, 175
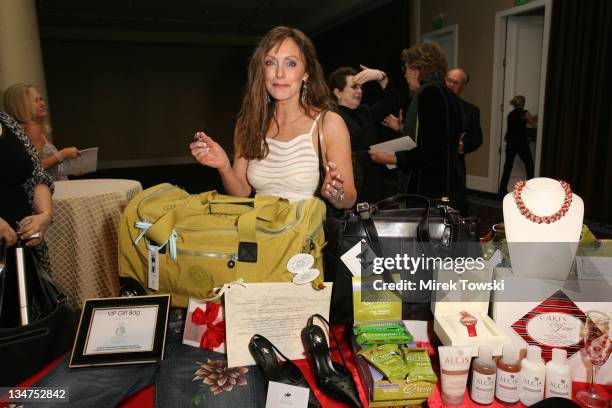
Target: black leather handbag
26, 349
391, 227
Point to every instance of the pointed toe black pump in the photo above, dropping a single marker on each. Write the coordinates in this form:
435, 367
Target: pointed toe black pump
265, 355
333, 379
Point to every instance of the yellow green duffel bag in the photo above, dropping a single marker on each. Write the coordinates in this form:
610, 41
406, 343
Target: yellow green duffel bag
202, 241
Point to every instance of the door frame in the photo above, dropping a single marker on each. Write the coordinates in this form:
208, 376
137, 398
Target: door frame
454, 29
497, 99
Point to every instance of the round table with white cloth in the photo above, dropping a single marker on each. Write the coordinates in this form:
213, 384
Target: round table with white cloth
83, 237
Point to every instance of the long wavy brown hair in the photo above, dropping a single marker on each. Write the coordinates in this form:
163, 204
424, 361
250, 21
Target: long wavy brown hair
258, 107
428, 58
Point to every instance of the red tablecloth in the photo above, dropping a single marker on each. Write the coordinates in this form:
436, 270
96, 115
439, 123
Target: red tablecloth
145, 398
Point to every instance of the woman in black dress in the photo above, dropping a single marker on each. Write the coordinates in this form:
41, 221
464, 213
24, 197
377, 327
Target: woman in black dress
517, 141
361, 119
25, 208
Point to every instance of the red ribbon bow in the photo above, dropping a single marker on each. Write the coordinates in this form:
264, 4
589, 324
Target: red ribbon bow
214, 335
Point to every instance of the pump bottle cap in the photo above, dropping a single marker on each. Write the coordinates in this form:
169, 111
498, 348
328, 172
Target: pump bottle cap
559, 356
534, 353
510, 354
485, 352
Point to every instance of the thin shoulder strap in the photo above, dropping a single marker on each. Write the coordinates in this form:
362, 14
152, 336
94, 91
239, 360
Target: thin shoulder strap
315, 123
322, 156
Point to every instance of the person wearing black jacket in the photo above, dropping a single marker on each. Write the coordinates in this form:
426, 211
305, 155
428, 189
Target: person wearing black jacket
517, 141
433, 121
25, 209
361, 119
471, 132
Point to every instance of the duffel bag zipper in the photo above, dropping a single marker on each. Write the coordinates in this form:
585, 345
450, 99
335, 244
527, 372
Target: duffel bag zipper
232, 258
309, 244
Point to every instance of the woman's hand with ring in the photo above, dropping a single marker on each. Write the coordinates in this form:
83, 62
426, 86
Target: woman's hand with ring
34, 224
209, 153
333, 185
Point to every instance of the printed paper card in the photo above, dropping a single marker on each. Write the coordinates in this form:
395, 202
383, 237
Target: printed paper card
277, 311
554, 323
286, 396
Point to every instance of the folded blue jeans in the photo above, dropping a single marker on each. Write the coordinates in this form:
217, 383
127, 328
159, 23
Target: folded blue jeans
187, 377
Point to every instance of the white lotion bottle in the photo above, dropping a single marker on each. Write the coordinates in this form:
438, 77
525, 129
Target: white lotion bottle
558, 376
483, 376
531, 379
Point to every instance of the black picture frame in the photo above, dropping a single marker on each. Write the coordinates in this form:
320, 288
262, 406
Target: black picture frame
81, 358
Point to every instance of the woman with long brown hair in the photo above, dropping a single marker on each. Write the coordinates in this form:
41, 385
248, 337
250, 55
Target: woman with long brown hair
283, 121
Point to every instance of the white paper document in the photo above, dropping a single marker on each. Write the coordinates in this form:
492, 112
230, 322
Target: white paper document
286, 396
395, 145
277, 311
121, 330
85, 162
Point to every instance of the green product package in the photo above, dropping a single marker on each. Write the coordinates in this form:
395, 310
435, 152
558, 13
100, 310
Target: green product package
387, 336
377, 327
419, 365
388, 359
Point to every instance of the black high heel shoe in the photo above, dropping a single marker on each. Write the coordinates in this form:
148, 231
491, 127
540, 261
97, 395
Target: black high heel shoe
332, 378
264, 353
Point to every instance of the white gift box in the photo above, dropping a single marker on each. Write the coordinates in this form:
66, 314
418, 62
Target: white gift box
554, 328
447, 306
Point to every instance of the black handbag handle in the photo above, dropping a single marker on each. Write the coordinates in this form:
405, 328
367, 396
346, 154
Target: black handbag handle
394, 201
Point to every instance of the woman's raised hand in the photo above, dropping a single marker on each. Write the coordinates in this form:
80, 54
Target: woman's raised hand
368, 74
209, 153
333, 185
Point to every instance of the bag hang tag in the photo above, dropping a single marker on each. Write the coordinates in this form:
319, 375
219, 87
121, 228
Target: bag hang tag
218, 292
153, 280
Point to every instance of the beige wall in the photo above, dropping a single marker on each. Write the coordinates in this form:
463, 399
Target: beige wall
476, 22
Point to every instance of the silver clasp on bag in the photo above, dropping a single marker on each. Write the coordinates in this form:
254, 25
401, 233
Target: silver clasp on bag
364, 211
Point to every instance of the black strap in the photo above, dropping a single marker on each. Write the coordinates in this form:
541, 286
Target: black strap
273, 347
398, 199
329, 329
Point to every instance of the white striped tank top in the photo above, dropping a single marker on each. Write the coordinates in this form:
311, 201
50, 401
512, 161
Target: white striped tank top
290, 170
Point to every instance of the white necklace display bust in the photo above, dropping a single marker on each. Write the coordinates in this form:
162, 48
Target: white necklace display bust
543, 197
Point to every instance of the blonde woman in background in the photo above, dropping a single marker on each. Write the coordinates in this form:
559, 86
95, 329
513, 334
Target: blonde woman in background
26, 105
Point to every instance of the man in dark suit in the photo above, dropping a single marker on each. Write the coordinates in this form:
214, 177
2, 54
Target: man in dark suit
471, 133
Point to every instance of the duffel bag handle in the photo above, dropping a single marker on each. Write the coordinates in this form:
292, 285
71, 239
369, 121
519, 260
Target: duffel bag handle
265, 207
